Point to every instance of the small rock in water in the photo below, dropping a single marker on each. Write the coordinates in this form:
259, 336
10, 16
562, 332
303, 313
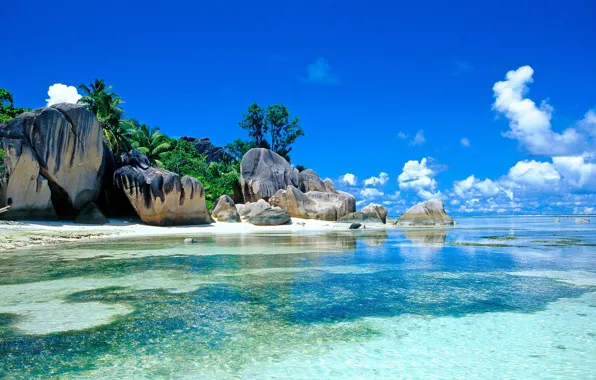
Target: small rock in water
355, 226
190, 241
582, 220
556, 220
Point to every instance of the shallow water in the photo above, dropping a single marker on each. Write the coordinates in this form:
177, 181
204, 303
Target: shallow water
489, 298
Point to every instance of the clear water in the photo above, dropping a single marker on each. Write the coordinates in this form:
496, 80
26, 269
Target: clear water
489, 298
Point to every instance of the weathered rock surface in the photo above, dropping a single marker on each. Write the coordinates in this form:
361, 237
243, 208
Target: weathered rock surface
205, 147
91, 214
314, 204
161, 197
251, 209
582, 220
360, 217
377, 210
263, 173
329, 186
53, 160
273, 216
429, 213
225, 210
310, 181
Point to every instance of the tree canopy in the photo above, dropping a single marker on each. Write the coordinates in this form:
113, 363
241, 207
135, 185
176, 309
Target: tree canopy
7, 109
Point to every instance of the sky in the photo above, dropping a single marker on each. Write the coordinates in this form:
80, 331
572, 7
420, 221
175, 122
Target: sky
490, 106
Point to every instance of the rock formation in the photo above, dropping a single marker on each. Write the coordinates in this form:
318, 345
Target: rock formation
225, 210
310, 181
91, 215
360, 217
314, 204
204, 146
263, 173
582, 220
377, 210
161, 197
273, 216
250, 209
429, 213
54, 162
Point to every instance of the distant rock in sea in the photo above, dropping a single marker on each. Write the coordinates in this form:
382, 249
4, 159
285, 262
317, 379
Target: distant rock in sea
426, 214
582, 220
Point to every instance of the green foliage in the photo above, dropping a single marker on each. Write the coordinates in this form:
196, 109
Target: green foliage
151, 142
7, 109
301, 168
274, 124
216, 178
106, 105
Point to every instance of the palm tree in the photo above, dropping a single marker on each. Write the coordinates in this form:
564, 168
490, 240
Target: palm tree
151, 142
106, 105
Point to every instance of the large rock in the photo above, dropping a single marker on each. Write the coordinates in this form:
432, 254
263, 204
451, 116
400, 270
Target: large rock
91, 215
329, 186
314, 204
377, 210
54, 156
263, 173
161, 197
273, 216
360, 217
253, 208
225, 210
310, 181
211, 152
429, 213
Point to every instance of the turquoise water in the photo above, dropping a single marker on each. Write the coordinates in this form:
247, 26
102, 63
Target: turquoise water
489, 298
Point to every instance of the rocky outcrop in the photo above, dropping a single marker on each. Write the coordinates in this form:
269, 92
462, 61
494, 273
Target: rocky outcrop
376, 209
314, 204
263, 173
161, 197
582, 220
426, 214
329, 186
54, 162
273, 216
211, 152
310, 181
250, 209
91, 214
360, 217
225, 210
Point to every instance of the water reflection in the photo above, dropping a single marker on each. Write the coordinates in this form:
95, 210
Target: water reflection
427, 238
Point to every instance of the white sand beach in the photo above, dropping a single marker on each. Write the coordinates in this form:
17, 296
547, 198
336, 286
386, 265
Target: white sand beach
22, 234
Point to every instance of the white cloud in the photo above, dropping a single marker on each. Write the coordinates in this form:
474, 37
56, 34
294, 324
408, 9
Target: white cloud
418, 139
473, 187
61, 93
320, 72
371, 193
536, 175
418, 176
529, 124
380, 180
465, 142
402, 136
577, 171
588, 123
349, 179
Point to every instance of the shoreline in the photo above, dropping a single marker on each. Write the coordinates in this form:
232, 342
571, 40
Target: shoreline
16, 235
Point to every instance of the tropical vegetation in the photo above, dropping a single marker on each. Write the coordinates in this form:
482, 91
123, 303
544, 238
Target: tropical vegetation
270, 127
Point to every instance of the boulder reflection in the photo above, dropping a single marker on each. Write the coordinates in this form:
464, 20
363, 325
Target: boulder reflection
426, 238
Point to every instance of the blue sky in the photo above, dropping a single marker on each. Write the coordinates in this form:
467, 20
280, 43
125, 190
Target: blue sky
380, 86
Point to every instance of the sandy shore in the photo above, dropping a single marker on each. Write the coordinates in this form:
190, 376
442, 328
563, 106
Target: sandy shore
23, 234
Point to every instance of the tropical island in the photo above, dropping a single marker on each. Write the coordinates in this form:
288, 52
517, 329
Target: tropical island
85, 163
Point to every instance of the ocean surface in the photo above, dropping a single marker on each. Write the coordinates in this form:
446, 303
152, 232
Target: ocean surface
491, 298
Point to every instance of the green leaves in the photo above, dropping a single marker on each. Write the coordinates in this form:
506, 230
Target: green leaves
273, 123
7, 109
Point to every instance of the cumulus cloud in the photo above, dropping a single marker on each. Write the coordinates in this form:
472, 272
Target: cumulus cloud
61, 93
465, 142
528, 123
371, 193
419, 139
578, 171
402, 136
320, 72
419, 177
537, 175
473, 187
588, 123
349, 179
380, 180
